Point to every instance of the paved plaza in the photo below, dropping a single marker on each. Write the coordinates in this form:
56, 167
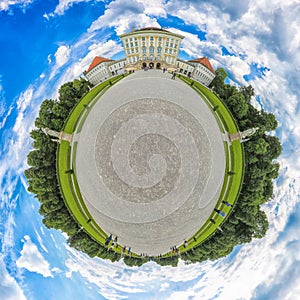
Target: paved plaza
150, 162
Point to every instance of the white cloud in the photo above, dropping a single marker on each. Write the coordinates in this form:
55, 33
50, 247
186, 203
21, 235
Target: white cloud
7, 4
154, 7
123, 15
25, 99
32, 260
64, 5
9, 288
40, 240
62, 55
7, 114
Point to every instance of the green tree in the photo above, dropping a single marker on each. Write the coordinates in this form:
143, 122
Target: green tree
238, 105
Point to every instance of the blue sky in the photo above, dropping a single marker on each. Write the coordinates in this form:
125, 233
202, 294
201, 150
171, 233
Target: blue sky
46, 43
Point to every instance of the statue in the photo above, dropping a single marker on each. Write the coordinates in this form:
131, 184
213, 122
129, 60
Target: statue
241, 136
51, 132
248, 132
61, 136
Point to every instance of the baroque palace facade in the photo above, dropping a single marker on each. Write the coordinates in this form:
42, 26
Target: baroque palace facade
150, 48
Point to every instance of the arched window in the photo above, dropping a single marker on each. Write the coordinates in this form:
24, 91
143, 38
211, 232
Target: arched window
151, 49
144, 49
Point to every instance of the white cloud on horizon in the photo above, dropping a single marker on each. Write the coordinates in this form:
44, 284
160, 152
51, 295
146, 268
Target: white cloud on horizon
32, 260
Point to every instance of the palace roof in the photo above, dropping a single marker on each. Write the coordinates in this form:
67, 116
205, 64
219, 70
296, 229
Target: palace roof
152, 28
205, 62
96, 61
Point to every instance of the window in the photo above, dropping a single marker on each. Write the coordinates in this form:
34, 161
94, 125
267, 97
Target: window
127, 46
144, 49
130, 39
151, 38
160, 38
131, 44
158, 49
136, 43
171, 45
151, 49
143, 38
135, 38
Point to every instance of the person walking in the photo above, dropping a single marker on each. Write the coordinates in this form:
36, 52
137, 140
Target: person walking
174, 75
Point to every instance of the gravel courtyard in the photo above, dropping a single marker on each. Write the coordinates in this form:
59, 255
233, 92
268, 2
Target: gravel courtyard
150, 162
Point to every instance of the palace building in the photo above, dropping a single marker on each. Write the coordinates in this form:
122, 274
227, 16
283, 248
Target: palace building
153, 48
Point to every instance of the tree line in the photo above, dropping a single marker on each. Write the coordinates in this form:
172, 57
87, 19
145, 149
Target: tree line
42, 174
247, 221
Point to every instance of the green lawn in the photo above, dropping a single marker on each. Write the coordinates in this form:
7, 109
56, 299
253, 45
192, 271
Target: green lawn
234, 163
68, 183
70, 189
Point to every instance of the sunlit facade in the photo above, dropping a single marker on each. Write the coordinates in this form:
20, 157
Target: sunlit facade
151, 47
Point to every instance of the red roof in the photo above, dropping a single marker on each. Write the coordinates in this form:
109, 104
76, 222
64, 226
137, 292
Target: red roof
96, 61
205, 62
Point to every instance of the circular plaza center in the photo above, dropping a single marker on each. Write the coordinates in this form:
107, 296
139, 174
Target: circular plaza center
150, 162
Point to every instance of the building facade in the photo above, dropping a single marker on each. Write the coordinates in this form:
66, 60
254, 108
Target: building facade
98, 70
153, 48
203, 70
